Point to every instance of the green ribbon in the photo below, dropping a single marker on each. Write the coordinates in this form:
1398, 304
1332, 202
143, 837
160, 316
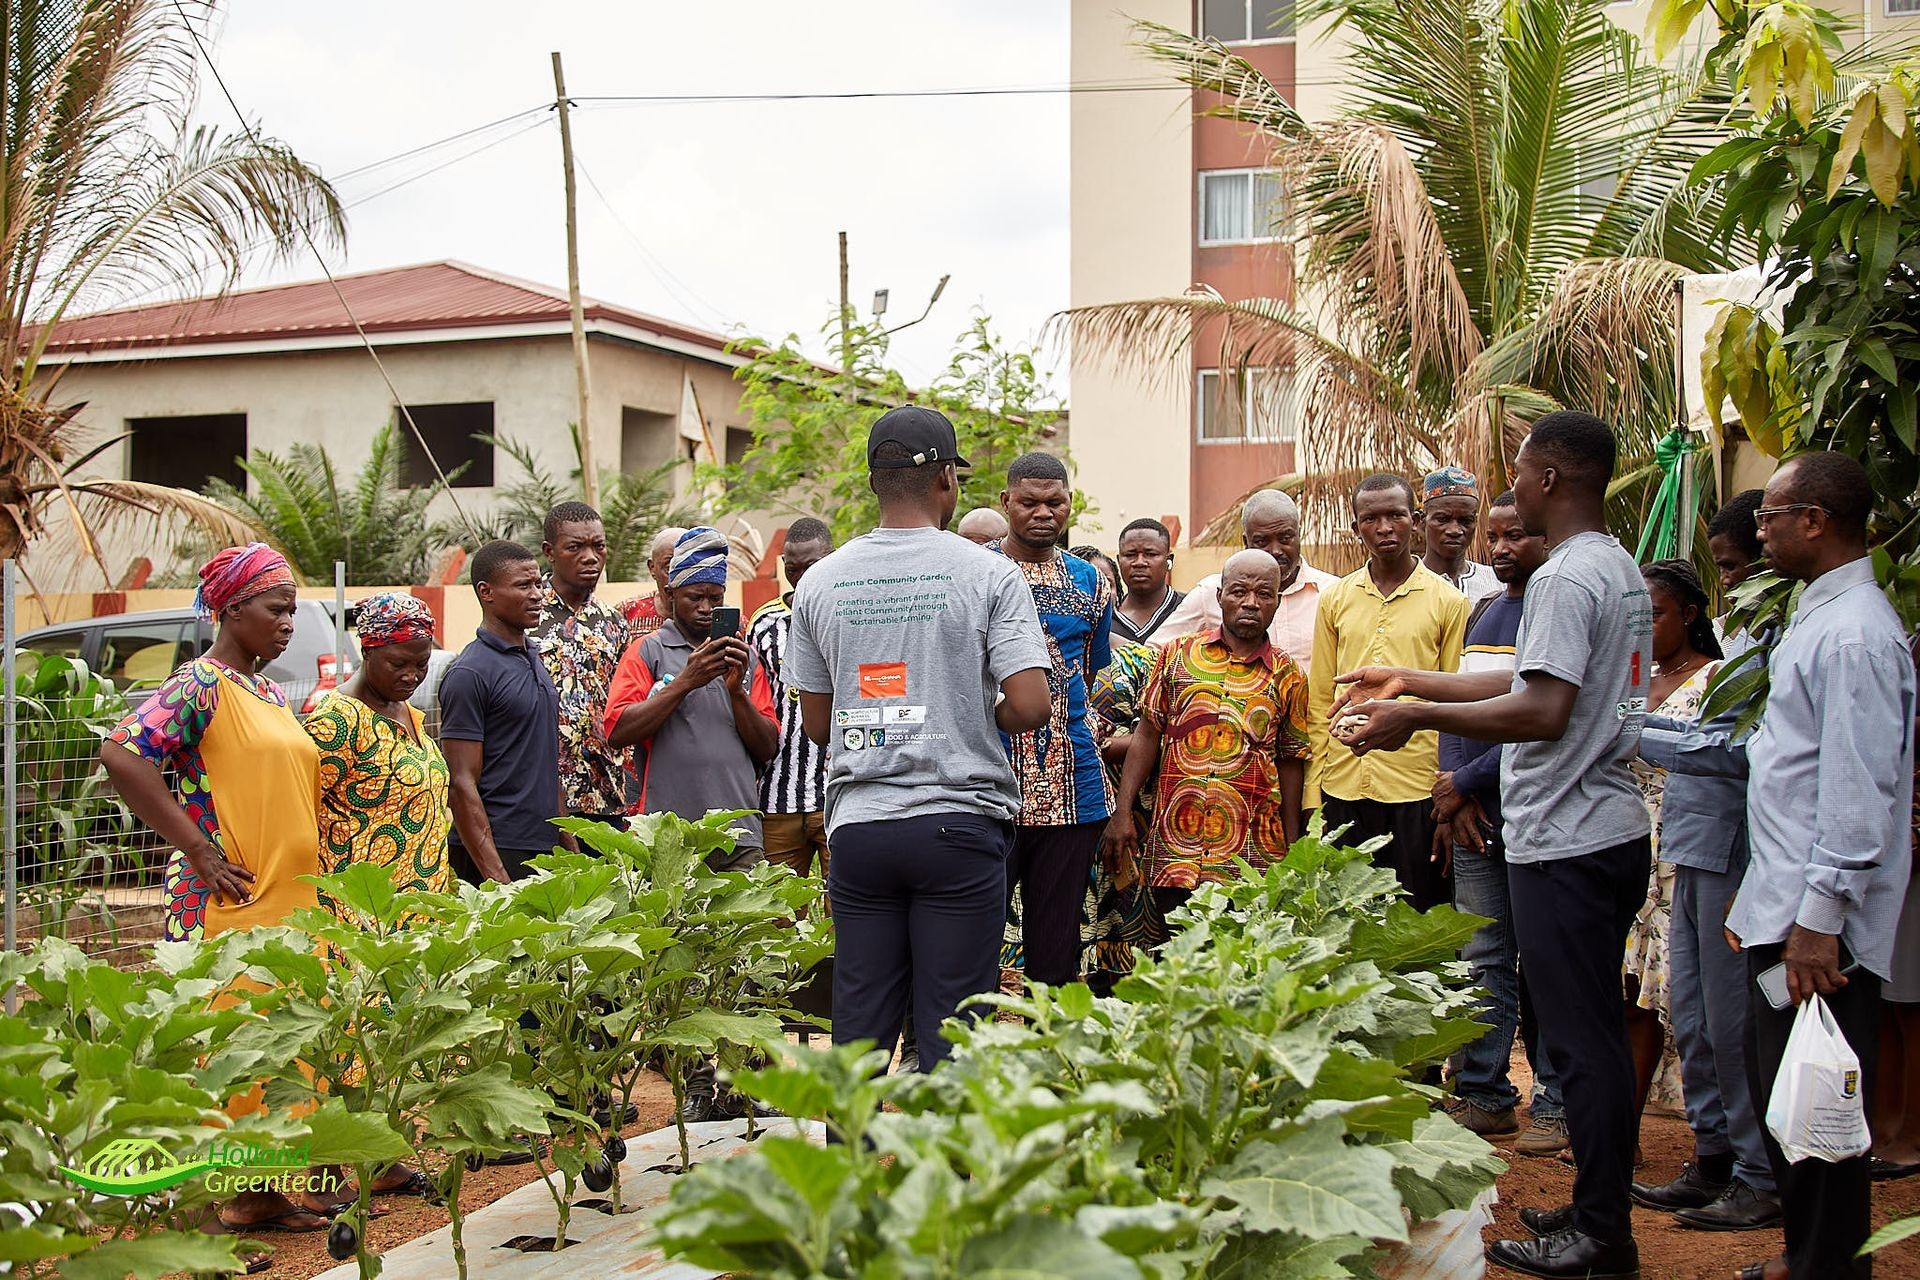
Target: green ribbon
1662, 532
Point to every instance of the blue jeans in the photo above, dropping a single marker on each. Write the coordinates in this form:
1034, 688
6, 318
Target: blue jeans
1480, 1069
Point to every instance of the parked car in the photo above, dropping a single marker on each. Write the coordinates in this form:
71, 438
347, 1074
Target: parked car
139, 650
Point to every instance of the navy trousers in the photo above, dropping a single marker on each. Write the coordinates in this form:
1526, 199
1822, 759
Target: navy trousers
918, 904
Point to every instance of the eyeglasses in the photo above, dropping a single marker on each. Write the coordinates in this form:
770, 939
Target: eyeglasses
1763, 514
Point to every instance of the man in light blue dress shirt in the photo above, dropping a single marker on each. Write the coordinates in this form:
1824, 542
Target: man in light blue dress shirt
1829, 802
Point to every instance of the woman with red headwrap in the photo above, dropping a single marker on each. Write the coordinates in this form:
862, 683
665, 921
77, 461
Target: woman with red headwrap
244, 819
383, 782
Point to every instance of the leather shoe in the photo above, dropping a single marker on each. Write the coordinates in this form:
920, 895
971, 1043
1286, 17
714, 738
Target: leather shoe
1740, 1208
1568, 1255
1547, 1222
696, 1108
1691, 1190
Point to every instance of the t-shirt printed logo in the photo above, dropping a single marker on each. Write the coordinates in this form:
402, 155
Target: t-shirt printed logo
883, 679
844, 716
853, 739
1633, 677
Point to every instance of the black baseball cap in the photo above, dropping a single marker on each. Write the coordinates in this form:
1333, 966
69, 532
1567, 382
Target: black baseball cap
924, 433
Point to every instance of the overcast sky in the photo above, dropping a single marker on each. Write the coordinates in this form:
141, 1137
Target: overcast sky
720, 214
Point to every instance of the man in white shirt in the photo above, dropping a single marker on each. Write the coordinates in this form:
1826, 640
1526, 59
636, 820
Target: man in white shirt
1269, 522
1449, 512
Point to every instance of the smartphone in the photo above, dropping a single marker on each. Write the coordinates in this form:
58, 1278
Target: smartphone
1773, 983
726, 622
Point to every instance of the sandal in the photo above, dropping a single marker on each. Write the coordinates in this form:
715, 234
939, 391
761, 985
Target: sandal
415, 1183
282, 1225
256, 1263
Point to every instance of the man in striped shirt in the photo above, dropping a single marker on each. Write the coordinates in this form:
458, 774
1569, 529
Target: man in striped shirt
792, 787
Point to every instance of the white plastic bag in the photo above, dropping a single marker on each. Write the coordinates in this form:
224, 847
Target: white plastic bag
1816, 1109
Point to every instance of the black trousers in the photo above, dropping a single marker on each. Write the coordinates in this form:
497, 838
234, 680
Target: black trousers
918, 903
1570, 917
1050, 866
1409, 851
1827, 1206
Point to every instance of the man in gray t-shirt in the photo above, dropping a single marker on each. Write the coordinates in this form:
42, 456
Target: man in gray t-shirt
911, 650
1578, 851
1587, 621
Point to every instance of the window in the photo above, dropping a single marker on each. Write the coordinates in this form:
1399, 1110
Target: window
449, 431
647, 439
1902, 8
143, 654
60, 644
1242, 206
1258, 407
186, 452
739, 441
1241, 21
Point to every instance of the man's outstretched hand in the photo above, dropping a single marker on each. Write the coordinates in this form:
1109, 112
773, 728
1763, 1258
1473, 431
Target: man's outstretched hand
1376, 726
1366, 684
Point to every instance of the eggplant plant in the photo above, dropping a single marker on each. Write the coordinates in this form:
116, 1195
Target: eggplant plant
397, 1009
1248, 1102
739, 944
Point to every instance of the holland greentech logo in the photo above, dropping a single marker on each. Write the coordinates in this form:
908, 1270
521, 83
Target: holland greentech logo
134, 1167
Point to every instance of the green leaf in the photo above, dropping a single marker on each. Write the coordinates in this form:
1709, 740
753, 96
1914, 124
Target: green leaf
705, 1028
1893, 1233
341, 1136
150, 1257
487, 1106
1408, 938
1313, 1183
1035, 1247
40, 1240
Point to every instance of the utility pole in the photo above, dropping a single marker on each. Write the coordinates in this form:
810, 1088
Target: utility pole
589, 477
846, 311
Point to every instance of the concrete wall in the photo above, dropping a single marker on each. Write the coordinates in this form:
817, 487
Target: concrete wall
1132, 210
337, 399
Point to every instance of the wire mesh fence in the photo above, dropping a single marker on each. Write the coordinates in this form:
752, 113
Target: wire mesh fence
83, 867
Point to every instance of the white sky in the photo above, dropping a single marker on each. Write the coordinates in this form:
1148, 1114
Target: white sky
737, 204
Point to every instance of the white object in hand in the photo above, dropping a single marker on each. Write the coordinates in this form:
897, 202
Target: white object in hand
1348, 725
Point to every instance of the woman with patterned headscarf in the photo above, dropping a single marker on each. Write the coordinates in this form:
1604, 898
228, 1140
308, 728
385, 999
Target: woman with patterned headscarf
383, 781
227, 735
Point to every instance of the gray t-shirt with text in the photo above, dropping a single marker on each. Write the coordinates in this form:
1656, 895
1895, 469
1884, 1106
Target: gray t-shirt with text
913, 631
1588, 621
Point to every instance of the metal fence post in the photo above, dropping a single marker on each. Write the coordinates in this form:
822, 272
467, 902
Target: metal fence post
339, 623
10, 764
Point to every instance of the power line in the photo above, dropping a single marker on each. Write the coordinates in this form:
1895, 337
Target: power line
859, 95
441, 142
398, 400
684, 293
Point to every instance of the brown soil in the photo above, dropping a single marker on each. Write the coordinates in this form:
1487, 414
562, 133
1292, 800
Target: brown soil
1669, 1251
400, 1218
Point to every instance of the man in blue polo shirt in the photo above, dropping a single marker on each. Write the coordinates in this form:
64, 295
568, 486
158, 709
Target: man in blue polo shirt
500, 726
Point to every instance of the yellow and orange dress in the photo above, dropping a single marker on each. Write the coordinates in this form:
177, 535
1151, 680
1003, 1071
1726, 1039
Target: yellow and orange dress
249, 778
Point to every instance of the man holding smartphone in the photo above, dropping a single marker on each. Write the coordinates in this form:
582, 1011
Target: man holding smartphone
696, 702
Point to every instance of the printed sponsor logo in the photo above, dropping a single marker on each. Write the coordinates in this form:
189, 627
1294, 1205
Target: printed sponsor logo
141, 1166
844, 716
904, 715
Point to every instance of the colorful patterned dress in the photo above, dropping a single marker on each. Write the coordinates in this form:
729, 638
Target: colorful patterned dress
1225, 725
168, 730
383, 795
1120, 915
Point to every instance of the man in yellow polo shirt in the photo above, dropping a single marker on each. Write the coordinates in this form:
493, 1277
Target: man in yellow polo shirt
1392, 611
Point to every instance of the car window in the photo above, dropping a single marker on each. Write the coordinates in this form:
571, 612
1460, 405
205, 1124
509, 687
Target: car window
60, 644
141, 655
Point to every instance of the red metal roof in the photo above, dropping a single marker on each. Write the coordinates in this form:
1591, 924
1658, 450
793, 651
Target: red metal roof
433, 295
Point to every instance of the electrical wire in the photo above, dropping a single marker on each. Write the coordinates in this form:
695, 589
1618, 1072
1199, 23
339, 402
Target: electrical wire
441, 142
398, 400
684, 293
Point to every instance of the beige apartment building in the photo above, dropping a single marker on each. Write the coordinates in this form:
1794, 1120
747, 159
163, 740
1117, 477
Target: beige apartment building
190, 387
1163, 199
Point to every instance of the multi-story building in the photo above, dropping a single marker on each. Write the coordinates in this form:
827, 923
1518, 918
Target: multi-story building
1164, 198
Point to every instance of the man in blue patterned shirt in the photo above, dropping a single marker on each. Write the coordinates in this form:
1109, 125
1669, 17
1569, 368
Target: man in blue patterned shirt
1065, 794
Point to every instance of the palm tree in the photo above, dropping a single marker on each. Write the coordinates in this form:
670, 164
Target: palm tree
632, 505
107, 192
376, 526
1492, 228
